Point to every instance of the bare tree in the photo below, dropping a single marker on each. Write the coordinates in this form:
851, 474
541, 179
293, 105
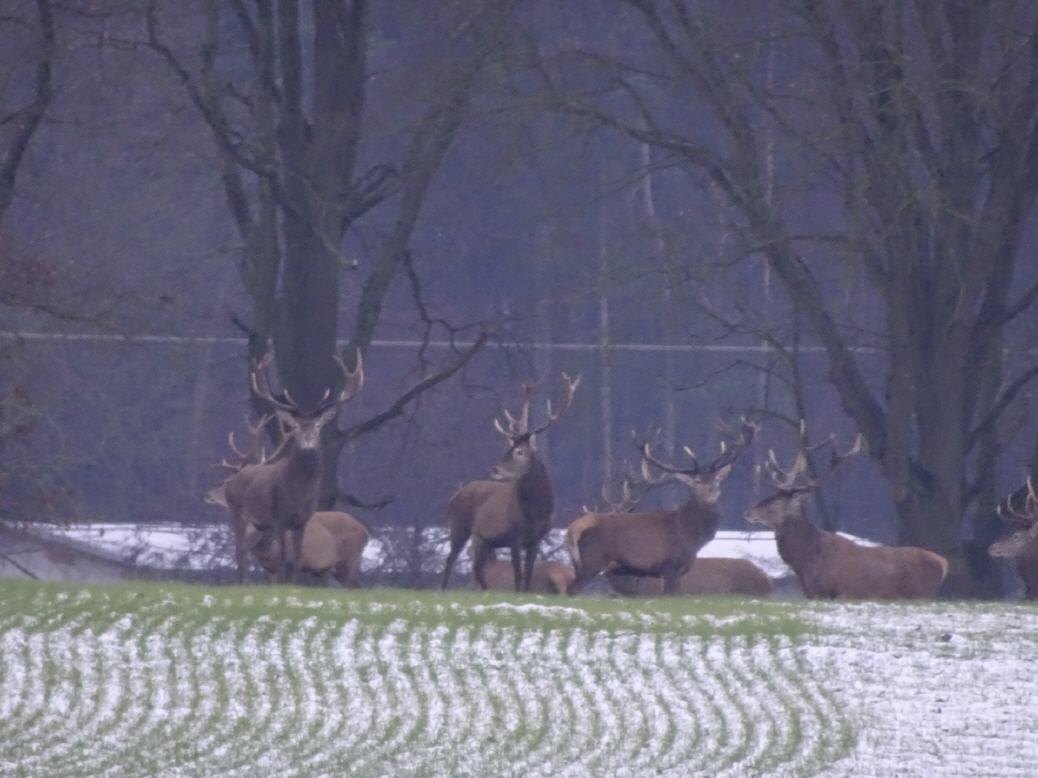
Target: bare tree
288, 117
22, 106
913, 129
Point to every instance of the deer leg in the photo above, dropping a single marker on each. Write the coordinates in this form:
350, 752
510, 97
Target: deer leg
670, 575
239, 548
297, 553
481, 552
529, 560
457, 544
283, 541
346, 573
517, 556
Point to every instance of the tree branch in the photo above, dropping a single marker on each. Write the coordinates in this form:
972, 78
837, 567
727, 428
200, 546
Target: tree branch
397, 408
32, 115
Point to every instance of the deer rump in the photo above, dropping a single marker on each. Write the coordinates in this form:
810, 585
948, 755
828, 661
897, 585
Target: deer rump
333, 542
709, 575
841, 568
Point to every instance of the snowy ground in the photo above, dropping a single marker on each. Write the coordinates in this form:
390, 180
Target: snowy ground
208, 546
189, 681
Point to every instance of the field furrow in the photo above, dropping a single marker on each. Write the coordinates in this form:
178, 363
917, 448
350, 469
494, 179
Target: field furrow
174, 681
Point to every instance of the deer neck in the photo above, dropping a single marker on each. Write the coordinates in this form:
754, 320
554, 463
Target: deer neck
303, 464
534, 492
699, 517
798, 540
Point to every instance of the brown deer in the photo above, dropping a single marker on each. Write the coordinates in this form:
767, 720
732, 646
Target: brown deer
1019, 512
709, 575
830, 566
217, 495
281, 493
547, 577
333, 542
514, 509
661, 543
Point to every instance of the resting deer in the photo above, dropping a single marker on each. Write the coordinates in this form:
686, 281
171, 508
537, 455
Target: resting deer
281, 494
547, 577
709, 575
333, 542
830, 566
661, 543
514, 509
1019, 512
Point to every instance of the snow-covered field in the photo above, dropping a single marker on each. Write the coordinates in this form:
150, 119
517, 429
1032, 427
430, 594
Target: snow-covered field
159, 680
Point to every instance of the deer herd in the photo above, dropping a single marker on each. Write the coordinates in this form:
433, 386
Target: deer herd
272, 502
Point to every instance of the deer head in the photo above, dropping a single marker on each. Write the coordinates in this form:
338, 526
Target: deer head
704, 480
304, 428
522, 444
1021, 519
794, 485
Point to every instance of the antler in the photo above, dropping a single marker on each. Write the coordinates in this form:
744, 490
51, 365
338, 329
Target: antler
516, 426
1016, 518
786, 480
519, 427
261, 385
570, 385
255, 431
728, 454
352, 381
783, 479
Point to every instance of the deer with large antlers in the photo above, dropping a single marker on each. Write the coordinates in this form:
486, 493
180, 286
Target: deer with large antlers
661, 543
1019, 512
280, 495
513, 510
830, 566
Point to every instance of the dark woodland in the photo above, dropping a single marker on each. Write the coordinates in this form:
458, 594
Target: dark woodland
780, 209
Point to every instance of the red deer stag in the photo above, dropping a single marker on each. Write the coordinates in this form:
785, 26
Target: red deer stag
661, 543
281, 494
830, 566
218, 496
1019, 512
514, 509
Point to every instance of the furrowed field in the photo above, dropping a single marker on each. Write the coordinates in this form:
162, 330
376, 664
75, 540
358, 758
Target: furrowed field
171, 680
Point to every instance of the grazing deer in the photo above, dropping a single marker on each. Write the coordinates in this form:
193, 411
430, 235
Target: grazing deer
514, 509
661, 543
830, 566
547, 577
709, 575
281, 493
1019, 512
